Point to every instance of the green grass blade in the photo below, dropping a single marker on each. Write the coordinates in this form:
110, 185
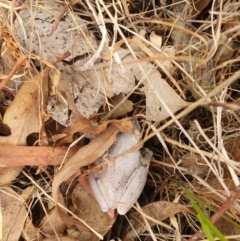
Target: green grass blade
192, 196
207, 226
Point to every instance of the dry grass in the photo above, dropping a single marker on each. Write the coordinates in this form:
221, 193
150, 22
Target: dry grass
195, 146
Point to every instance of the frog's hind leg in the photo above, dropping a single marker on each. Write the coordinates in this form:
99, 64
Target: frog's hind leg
97, 192
132, 190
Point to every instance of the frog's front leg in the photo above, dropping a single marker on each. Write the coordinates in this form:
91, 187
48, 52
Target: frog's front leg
134, 185
98, 194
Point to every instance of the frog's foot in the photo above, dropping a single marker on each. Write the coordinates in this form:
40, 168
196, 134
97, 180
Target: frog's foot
111, 213
83, 180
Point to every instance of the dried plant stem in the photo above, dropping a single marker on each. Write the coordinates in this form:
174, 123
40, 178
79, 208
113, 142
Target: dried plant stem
100, 21
18, 3
15, 68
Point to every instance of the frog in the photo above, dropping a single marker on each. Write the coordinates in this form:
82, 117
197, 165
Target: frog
119, 183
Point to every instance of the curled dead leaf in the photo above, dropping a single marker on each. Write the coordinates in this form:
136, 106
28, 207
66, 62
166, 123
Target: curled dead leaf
87, 208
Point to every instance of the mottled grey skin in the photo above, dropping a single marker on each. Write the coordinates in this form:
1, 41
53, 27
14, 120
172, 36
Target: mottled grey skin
119, 183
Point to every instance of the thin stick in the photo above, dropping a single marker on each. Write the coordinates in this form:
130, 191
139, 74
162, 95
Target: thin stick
64, 56
59, 19
19, 156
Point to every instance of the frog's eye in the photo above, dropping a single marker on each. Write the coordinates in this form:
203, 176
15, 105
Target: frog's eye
145, 164
146, 156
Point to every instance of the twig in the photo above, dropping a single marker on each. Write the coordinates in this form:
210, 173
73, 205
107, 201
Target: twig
54, 27
64, 56
19, 156
224, 207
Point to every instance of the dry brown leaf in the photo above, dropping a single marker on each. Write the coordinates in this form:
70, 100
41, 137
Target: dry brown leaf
26, 114
123, 108
11, 46
14, 212
30, 232
226, 49
87, 208
7, 175
22, 116
82, 124
15, 69
33, 155
52, 223
90, 153
156, 210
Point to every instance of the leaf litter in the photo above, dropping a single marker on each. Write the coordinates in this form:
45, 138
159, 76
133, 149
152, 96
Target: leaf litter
154, 65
